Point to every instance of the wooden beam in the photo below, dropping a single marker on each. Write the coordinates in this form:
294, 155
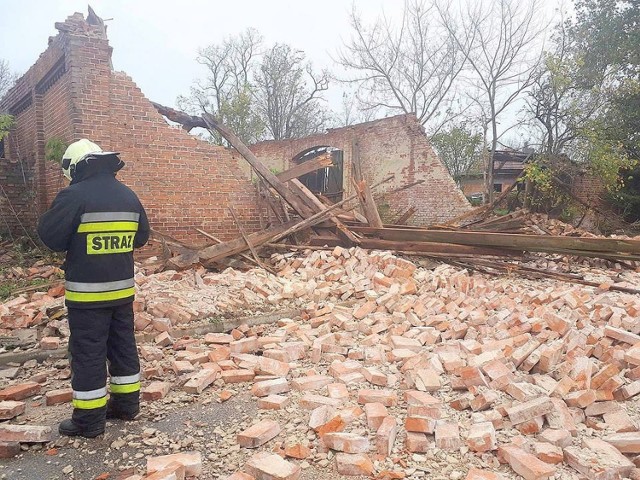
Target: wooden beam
304, 168
535, 243
292, 197
402, 219
343, 232
246, 239
369, 207
187, 121
217, 240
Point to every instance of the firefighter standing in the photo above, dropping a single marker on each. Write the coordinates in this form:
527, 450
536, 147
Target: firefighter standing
98, 221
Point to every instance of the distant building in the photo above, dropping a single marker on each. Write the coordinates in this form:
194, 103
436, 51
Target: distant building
507, 167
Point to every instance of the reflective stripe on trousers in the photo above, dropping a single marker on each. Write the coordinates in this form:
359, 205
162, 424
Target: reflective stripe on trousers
99, 291
125, 384
91, 399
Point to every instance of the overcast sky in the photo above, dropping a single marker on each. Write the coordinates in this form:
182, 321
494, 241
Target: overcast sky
156, 41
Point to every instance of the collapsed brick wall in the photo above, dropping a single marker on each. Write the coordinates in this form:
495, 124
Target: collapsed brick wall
395, 145
41, 108
590, 189
183, 182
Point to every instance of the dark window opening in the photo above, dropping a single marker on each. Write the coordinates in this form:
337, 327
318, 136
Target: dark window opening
497, 187
2, 155
326, 181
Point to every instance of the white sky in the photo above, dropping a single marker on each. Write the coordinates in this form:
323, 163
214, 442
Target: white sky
156, 41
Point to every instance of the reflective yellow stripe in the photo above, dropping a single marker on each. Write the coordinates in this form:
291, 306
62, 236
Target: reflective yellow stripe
89, 404
99, 296
98, 227
128, 388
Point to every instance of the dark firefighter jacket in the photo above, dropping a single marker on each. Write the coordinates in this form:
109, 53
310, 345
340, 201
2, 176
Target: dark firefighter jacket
98, 221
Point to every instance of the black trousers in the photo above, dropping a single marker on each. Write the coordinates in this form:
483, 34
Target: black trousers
99, 336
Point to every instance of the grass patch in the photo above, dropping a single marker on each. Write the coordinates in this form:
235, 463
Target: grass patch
7, 287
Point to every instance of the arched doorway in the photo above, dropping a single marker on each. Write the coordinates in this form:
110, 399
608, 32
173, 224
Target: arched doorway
327, 181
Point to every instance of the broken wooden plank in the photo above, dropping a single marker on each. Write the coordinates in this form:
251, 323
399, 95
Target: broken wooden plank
342, 230
369, 207
426, 248
246, 239
304, 168
404, 218
217, 240
292, 197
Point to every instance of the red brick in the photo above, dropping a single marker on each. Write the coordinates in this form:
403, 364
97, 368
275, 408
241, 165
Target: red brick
270, 387
477, 474
417, 442
54, 397
200, 380
376, 413
24, 433
21, 391
354, 465
258, 434
297, 451
192, 462
311, 382
9, 449
481, 437
386, 436
155, 391
558, 437
10, 409
267, 466
447, 436
238, 376
273, 402
525, 464
386, 397
627, 442
50, 343
346, 442
530, 410
595, 458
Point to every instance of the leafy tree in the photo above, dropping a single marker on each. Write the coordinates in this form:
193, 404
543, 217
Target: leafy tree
606, 44
460, 149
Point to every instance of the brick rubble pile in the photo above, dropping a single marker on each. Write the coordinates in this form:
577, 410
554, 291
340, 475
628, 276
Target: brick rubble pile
392, 371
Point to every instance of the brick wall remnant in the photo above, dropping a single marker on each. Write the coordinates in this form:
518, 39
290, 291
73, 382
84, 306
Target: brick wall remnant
394, 145
71, 92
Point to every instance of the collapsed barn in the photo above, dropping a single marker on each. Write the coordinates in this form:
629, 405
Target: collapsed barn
510, 348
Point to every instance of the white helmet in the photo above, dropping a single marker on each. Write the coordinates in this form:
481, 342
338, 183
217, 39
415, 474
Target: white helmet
81, 151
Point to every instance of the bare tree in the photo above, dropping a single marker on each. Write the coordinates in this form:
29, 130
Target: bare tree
501, 41
226, 92
288, 93
409, 68
351, 112
558, 102
7, 77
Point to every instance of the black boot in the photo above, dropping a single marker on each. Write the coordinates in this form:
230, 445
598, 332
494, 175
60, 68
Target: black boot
71, 429
123, 406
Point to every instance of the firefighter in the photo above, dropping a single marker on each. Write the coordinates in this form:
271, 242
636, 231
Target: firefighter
98, 221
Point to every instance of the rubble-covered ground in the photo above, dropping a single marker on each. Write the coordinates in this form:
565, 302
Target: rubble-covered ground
390, 368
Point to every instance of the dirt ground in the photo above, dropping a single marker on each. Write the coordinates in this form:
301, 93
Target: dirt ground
186, 425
